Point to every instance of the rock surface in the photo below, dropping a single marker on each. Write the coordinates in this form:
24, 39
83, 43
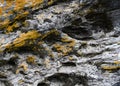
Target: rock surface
60, 43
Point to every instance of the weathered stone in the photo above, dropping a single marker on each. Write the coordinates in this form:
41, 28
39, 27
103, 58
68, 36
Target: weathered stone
13, 11
60, 43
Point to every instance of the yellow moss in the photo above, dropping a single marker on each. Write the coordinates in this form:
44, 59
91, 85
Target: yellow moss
67, 47
17, 71
110, 67
70, 58
71, 42
4, 23
59, 54
20, 81
36, 2
22, 15
30, 38
0, 10
12, 27
114, 66
50, 2
17, 8
24, 66
41, 42
117, 62
49, 33
25, 24
30, 59
62, 48
19, 4
21, 40
9, 3
2, 1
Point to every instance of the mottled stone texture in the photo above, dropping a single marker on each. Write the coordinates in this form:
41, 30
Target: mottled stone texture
13, 11
59, 42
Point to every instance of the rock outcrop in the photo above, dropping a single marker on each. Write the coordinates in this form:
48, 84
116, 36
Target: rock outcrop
59, 42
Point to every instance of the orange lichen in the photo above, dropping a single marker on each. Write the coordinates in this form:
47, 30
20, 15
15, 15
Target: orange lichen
22, 15
2, 1
12, 27
20, 81
18, 8
114, 66
117, 62
4, 23
62, 48
8, 4
49, 33
24, 66
30, 59
35, 3
50, 2
110, 67
67, 47
30, 39
71, 42
0, 10
70, 58
22, 39
19, 4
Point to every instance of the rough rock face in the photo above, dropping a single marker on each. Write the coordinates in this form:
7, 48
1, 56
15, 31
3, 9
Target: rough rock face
12, 11
59, 43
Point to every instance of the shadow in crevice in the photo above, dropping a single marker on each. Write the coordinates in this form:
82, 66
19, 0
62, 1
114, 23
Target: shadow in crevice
63, 79
117, 84
96, 23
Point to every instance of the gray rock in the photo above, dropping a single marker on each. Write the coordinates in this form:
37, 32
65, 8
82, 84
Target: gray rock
87, 51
